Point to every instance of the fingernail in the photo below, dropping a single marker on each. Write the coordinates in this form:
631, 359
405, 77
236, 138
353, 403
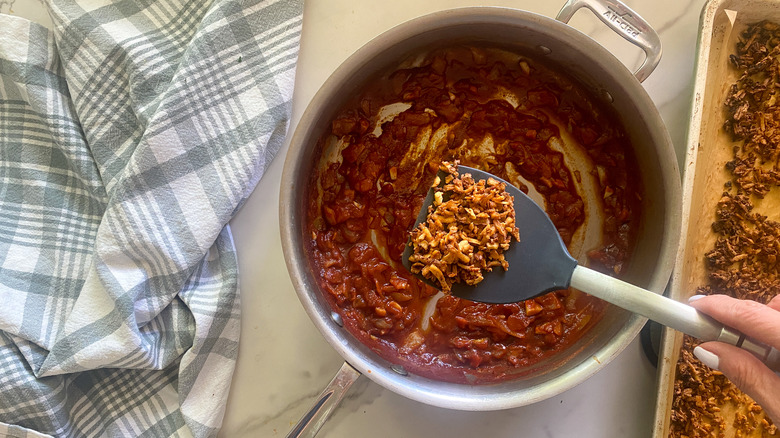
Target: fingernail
695, 297
707, 357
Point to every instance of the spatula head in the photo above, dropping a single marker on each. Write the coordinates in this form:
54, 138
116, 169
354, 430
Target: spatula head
538, 263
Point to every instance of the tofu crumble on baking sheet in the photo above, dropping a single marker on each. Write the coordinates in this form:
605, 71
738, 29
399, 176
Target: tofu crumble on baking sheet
732, 207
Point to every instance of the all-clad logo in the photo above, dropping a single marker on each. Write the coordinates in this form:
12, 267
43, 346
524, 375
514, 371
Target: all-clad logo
620, 21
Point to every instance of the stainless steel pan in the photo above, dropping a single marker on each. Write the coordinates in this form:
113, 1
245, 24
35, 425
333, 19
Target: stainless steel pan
579, 56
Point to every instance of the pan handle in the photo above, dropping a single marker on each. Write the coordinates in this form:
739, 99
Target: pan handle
329, 398
626, 23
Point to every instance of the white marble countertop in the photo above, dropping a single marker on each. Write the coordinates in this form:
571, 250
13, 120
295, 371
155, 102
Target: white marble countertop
283, 360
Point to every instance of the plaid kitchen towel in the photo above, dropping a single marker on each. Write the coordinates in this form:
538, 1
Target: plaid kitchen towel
129, 136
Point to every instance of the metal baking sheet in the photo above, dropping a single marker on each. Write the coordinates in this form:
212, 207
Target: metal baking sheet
708, 150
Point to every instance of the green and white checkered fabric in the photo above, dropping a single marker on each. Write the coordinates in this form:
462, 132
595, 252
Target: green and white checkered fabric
130, 134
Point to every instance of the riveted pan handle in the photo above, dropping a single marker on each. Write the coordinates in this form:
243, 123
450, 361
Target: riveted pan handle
326, 402
626, 23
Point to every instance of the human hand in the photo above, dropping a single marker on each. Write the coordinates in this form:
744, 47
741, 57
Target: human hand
757, 321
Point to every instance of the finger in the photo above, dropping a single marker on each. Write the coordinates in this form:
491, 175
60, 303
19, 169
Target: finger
745, 371
755, 320
775, 303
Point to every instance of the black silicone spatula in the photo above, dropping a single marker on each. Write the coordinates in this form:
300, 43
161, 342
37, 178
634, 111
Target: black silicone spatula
540, 263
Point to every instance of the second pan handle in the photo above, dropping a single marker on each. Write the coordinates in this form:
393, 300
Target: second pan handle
326, 402
626, 23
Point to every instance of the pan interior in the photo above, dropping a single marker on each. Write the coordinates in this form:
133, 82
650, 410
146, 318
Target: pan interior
598, 71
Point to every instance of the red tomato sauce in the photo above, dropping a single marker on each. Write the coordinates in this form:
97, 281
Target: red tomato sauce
363, 203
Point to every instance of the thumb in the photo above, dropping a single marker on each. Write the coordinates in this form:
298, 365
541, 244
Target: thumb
775, 303
746, 371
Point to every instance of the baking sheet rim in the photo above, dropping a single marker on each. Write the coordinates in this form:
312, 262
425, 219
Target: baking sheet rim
671, 340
